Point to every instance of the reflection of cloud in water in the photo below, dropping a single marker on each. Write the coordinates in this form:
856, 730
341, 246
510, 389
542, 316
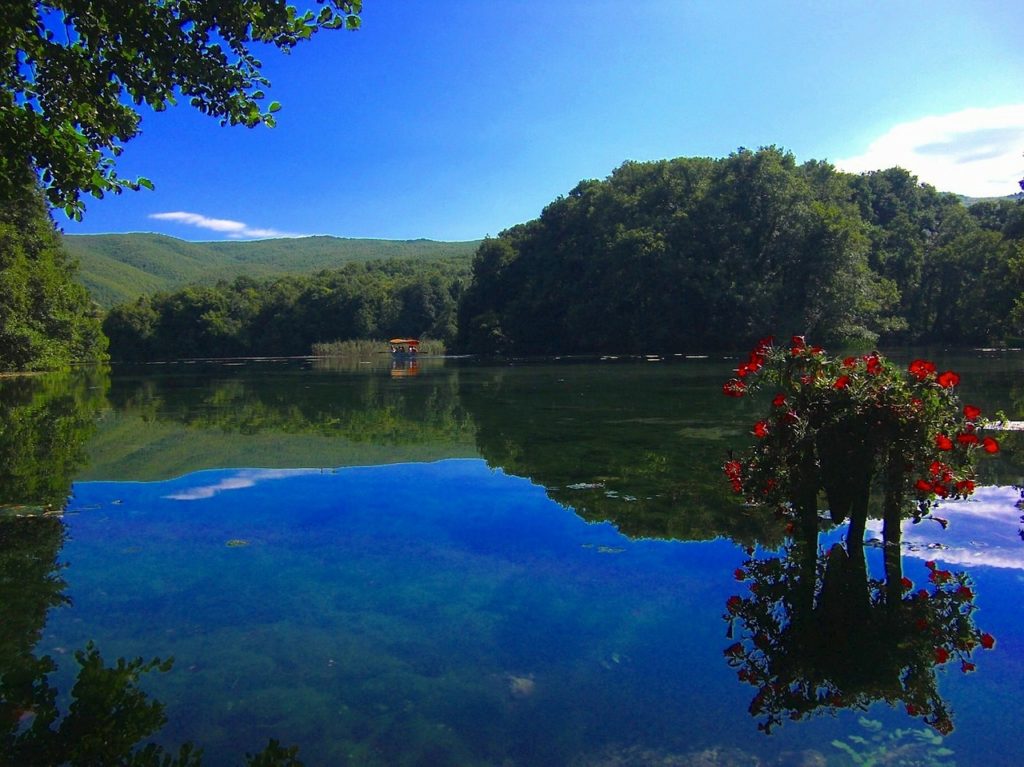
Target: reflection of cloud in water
983, 531
243, 479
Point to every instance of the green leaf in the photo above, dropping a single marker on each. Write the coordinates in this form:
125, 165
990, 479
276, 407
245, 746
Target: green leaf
275, 106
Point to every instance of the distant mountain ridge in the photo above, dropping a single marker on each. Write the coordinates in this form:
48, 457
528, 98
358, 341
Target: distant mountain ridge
120, 267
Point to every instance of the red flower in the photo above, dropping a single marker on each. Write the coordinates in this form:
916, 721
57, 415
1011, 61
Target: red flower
965, 487
942, 442
874, 364
966, 666
940, 490
850, 362
790, 416
948, 379
841, 383
732, 604
988, 641
990, 445
912, 709
923, 485
964, 593
797, 342
967, 438
739, 574
780, 400
733, 469
941, 654
906, 583
921, 369
761, 429
734, 388
930, 564
971, 412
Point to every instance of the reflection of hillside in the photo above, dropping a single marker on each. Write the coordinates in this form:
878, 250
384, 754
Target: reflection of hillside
640, 446
276, 416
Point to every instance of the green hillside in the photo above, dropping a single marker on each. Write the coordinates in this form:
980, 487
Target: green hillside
119, 267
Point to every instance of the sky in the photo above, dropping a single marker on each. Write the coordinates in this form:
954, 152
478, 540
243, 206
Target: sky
456, 119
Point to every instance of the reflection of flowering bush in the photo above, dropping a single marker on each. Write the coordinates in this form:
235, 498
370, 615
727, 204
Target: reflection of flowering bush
820, 640
838, 423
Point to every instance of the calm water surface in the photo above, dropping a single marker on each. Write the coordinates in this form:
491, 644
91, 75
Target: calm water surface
458, 564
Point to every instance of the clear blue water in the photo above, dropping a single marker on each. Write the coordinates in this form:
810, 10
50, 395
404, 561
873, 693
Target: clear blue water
514, 565
448, 613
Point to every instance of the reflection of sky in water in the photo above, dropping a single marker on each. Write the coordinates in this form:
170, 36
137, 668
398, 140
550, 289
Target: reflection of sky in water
983, 531
236, 481
445, 613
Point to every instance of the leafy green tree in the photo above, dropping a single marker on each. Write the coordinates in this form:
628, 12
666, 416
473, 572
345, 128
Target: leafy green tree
46, 319
75, 72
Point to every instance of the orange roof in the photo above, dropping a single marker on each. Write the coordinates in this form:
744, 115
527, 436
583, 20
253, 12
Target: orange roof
407, 341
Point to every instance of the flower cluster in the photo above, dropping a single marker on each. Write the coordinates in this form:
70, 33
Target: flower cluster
851, 419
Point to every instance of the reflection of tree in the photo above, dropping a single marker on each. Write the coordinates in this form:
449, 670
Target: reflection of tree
45, 422
362, 408
816, 634
625, 443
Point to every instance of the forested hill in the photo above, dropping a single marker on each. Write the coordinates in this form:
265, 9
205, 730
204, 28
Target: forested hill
116, 268
698, 253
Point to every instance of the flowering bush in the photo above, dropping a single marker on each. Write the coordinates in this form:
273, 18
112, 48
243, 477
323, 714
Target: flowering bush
837, 424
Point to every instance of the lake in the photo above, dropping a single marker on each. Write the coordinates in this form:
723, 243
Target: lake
467, 563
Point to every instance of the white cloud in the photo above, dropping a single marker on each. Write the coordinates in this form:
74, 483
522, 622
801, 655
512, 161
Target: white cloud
983, 531
239, 481
977, 152
233, 229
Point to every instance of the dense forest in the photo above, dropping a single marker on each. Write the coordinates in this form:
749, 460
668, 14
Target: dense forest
286, 316
699, 253
677, 255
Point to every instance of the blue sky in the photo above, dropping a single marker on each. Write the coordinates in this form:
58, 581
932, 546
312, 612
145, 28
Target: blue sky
455, 119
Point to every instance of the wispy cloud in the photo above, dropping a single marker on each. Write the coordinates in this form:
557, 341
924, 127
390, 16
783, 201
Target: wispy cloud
237, 230
977, 152
238, 481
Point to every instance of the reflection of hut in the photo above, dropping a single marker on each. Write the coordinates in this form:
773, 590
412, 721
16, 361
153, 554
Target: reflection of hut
404, 368
404, 347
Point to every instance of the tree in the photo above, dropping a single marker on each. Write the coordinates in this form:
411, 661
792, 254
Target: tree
46, 320
75, 72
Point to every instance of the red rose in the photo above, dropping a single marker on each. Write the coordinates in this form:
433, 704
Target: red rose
990, 445
948, 379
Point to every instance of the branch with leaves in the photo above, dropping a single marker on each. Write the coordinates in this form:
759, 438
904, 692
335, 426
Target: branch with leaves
75, 72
